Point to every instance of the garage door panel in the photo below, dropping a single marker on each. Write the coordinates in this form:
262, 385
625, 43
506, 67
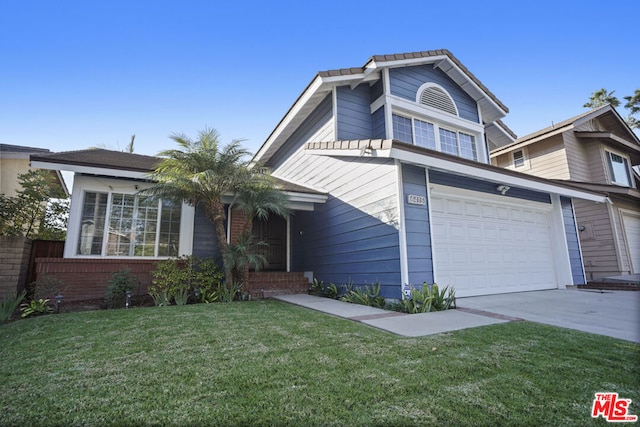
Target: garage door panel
631, 224
482, 248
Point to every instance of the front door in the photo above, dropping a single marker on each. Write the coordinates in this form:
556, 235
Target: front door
273, 232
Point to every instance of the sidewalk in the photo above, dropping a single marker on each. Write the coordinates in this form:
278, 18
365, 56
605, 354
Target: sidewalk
414, 325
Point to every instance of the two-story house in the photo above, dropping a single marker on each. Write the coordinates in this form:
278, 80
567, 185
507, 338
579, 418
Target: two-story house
596, 151
400, 146
388, 173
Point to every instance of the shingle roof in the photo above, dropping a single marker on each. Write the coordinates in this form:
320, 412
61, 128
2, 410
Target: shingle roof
8, 148
100, 158
414, 55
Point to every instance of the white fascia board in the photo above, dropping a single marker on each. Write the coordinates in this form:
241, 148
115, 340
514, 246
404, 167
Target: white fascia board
306, 197
404, 62
493, 176
349, 153
515, 146
295, 109
91, 170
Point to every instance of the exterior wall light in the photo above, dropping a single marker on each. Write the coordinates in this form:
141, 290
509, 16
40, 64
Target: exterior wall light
502, 189
58, 302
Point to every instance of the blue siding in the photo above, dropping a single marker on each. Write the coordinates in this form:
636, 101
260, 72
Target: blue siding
405, 82
205, 243
443, 178
316, 120
353, 113
379, 130
419, 255
376, 90
341, 243
575, 256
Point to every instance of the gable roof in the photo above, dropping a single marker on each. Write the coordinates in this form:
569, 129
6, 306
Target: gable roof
97, 161
573, 122
323, 83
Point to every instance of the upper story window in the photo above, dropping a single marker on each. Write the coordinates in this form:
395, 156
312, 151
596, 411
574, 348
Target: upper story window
128, 225
619, 168
518, 158
431, 135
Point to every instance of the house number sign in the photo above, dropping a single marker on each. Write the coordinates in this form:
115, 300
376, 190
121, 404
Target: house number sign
413, 199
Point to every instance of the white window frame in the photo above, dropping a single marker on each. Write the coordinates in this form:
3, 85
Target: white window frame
86, 184
626, 162
525, 159
436, 127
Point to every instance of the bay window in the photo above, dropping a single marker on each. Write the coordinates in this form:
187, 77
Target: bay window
128, 225
430, 135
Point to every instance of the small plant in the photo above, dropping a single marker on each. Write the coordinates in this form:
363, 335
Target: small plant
429, 298
228, 293
364, 295
47, 287
35, 308
8, 306
119, 283
316, 287
330, 291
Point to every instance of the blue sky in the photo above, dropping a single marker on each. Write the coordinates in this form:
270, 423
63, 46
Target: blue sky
76, 74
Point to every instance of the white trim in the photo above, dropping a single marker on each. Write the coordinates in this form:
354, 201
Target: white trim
334, 111
608, 164
187, 223
420, 110
402, 229
616, 235
490, 175
559, 245
631, 215
428, 85
91, 170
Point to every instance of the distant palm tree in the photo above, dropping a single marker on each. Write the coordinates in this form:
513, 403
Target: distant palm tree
602, 97
202, 173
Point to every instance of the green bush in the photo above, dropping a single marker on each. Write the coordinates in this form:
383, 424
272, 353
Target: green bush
8, 306
175, 279
35, 308
429, 298
364, 295
119, 283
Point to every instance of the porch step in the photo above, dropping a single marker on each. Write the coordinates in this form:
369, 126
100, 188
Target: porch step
269, 284
612, 286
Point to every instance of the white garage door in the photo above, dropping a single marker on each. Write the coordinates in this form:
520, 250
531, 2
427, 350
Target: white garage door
486, 244
632, 233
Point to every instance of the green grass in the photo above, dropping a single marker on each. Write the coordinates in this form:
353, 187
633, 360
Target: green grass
269, 363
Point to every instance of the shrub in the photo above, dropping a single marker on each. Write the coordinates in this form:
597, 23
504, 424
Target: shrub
364, 295
47, 287
119, 283
8, 306
174, 280
35, 308
429, 298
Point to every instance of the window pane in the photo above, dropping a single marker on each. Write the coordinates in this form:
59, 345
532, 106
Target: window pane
402, 129
448, 141
518, 158
121, 233
425, 134
169, 229
146, 220
619, 170
94, 209
468, 146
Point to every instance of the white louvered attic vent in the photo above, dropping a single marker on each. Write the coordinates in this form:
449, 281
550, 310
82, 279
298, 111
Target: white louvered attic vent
435, 97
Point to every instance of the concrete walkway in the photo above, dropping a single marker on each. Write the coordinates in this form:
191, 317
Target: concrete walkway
612, 313
414, 325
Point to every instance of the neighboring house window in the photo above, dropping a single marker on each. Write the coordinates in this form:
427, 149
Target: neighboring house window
136, 226
518, 158
619, 167
430, 135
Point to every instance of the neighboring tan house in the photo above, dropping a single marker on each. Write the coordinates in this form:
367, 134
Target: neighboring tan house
594, 151
14, 161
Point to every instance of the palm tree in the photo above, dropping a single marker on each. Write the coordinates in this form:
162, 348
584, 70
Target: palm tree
200, 173
602, 97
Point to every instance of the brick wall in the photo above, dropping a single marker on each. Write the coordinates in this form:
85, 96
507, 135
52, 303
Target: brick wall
264, 284
87, 279
238, 219
14, 263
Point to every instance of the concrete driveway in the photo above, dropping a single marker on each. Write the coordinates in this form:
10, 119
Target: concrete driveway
612, 313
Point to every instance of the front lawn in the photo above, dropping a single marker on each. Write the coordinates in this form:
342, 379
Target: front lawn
270, 363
